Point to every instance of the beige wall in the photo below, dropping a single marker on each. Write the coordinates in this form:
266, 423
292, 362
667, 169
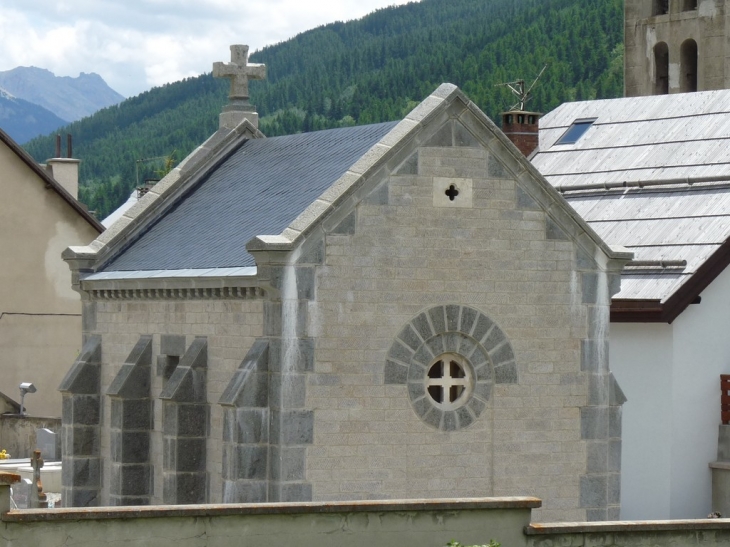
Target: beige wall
405, 257
40, 325
230, 327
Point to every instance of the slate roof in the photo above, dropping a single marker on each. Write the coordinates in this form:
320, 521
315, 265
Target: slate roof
651, 174
258, 190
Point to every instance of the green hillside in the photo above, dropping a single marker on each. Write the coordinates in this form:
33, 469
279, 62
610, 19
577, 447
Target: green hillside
371, 70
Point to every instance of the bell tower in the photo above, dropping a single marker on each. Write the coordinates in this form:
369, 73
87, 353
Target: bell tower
675, 46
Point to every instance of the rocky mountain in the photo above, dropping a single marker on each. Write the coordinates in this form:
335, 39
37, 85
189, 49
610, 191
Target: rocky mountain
23, 120
68, 98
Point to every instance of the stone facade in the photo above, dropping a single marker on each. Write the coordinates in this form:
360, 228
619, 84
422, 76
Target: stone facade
229, 327
660, 38
496, 282
439, 331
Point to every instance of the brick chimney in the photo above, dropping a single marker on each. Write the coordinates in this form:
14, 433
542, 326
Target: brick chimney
65, 170
522, 129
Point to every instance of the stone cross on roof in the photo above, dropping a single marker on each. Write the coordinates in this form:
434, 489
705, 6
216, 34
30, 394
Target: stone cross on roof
239, 72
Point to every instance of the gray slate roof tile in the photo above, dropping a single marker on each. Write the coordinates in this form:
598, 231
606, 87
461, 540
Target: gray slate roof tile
259, 190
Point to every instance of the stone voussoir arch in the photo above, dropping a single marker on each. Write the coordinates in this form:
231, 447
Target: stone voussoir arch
450, 356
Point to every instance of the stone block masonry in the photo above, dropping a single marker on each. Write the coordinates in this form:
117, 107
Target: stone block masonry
131, 423
81, 418
388, 287
230, 326
185, 416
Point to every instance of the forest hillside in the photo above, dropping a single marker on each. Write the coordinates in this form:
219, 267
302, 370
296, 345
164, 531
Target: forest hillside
369, 70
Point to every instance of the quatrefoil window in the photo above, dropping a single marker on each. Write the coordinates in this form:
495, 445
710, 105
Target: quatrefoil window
449, 357
449, 381
451, 192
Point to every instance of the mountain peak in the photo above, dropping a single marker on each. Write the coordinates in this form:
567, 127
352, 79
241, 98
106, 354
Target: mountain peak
69, 98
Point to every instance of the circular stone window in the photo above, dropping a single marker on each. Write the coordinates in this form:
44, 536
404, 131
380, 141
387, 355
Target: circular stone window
449, 381
449, 357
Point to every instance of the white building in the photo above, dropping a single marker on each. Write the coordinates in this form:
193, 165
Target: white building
653, 174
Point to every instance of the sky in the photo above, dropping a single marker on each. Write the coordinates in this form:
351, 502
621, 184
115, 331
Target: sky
138, 44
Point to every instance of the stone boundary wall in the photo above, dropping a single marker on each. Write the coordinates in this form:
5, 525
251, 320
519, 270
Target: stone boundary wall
659, 533
18, 433
411, 523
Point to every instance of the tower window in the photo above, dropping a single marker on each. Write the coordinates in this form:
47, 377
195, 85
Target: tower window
661, 69
689, 5
688, 66
660, 7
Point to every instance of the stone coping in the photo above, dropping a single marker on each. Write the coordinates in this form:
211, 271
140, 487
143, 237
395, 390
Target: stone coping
640, 526
250, 509
9, 478
720, 465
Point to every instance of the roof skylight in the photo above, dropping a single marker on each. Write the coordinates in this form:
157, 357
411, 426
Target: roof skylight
575, 131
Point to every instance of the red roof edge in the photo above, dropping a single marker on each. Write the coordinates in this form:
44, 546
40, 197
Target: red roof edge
654, 311
50, 181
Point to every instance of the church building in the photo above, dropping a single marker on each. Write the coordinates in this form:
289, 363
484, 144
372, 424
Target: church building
400, 310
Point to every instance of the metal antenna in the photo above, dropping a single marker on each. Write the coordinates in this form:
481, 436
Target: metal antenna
146, 160
518, 88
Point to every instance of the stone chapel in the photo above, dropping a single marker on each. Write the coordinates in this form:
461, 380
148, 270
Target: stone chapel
400, 310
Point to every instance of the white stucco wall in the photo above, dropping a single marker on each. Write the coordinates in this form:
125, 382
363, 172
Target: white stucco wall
671, 377
640, 358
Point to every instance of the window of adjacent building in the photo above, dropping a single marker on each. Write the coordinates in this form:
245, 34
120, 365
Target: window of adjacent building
575, 131
660, 7
689, 5
688, 66
661, 69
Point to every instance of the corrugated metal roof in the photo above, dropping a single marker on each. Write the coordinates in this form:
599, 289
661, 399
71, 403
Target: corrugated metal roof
259, 190
642, 139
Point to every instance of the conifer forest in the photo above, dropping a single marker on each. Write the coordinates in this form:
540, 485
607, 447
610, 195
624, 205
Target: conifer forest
370, 70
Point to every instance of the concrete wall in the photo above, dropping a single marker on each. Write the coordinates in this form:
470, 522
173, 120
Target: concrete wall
18, 433
386, 524
40, 315
671, 377
707, 25
707, 532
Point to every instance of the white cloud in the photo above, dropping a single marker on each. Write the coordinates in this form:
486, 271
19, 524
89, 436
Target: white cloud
137, 44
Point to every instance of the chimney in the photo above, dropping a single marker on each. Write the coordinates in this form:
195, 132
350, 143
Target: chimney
65, 170
522, 129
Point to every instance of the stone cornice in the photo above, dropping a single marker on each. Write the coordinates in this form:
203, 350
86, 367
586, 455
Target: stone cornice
174, 288
210, 293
